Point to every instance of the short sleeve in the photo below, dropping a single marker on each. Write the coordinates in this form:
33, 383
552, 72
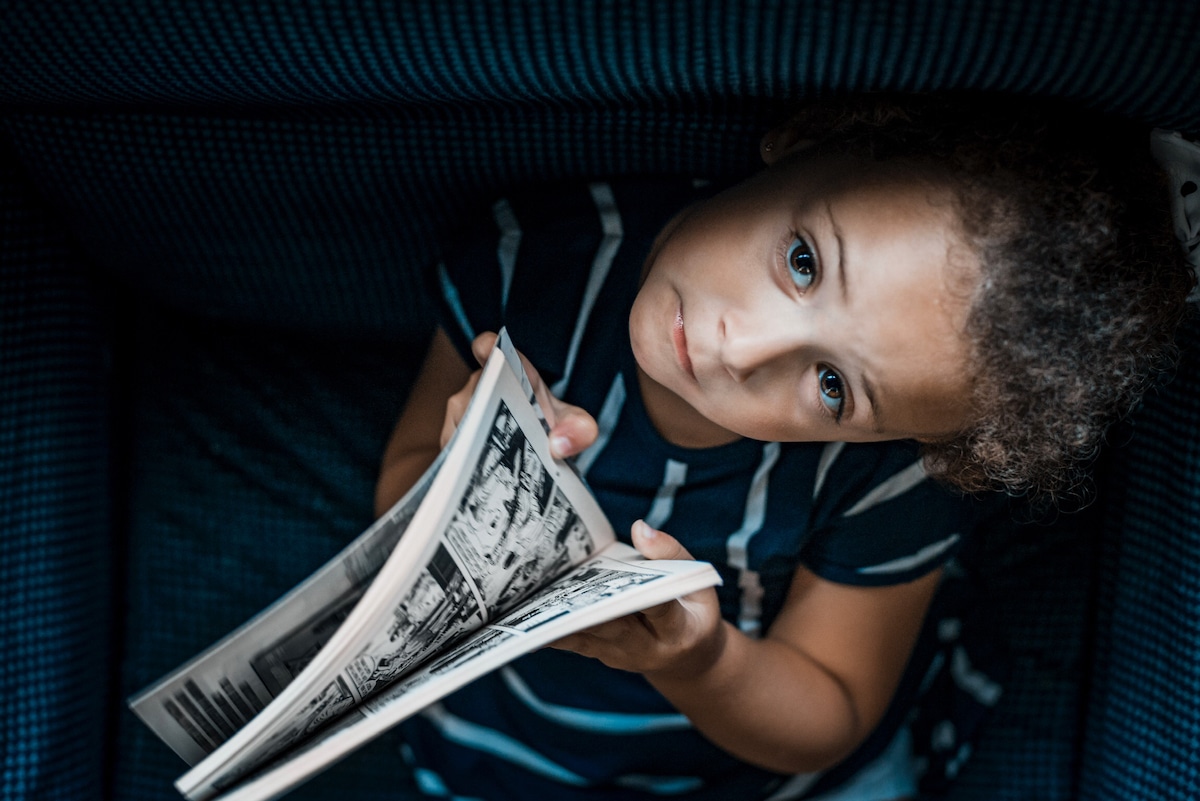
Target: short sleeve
879, 519
523, 265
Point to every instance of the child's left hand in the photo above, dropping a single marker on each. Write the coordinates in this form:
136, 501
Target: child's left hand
572, 429
677, 639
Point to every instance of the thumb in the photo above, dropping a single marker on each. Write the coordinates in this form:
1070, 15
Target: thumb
574, 430
481, 346
655, 544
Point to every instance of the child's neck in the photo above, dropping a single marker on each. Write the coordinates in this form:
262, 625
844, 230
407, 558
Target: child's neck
676, 420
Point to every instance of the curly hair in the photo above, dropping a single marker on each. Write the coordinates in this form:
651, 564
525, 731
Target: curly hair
1082, 279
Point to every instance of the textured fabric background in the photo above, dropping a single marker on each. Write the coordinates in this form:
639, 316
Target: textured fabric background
254, 455
1137, 57
56, 618
1144, 707
213, 213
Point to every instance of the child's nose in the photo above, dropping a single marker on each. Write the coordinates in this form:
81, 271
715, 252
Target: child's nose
749, 345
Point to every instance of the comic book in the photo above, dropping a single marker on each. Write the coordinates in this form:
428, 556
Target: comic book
496, 551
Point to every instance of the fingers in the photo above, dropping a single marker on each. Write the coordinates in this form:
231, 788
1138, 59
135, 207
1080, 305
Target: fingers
573, 431
481, 346
682, 637
624, 643
456, 407
655, 544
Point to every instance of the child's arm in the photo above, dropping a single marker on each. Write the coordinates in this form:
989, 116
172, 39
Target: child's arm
439, 398
416, 439
798, 700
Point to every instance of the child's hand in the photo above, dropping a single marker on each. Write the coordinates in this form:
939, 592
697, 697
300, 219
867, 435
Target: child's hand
571, 429
681, 638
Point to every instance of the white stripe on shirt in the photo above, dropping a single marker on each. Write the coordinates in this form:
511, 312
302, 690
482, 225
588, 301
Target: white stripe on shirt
737, 547
606, 422
610, 223
450, 293
674, 475
906, 563
481, 738
889, 488
978, 685
506, 250
591, 719
829, 455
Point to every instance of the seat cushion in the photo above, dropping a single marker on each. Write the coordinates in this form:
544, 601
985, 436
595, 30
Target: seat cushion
254, 457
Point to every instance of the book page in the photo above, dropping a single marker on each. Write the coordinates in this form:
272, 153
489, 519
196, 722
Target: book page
616, 582
200, 705
500, 518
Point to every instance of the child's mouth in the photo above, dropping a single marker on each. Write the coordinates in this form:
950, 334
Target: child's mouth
680, 339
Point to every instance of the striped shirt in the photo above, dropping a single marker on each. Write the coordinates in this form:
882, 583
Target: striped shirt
560, 269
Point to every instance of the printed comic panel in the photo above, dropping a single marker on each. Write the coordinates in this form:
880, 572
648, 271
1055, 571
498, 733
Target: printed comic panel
514, 527
331, 703
363, 564
439, 607
469, 651
278, 665
591, 585
459, 655
211, 717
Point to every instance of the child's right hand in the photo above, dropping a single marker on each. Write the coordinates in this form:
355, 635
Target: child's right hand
572, 429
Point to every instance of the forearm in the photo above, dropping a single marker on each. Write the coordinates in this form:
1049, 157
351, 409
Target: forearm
415, 441
797, 701
768, 703
398, 475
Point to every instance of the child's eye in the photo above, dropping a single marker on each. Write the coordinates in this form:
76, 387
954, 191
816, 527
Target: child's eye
801, 263
833, 391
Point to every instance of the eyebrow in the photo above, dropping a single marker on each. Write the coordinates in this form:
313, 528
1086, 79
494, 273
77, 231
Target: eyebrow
841, 259
876, 413
868, 387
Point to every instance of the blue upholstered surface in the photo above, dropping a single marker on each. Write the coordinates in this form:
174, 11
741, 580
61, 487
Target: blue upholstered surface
253, 460
1138, 57
261, 181
1144, 706
55, 512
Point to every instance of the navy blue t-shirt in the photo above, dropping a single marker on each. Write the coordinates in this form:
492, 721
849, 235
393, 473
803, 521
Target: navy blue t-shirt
560, 268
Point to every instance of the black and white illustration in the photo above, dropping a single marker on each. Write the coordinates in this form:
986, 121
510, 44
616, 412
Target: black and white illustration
502, 522
334, 701
475, 648
362, 564
589, 585
439, 607
513, 527
277, 665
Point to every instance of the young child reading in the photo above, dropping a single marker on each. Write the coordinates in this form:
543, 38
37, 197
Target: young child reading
772, 372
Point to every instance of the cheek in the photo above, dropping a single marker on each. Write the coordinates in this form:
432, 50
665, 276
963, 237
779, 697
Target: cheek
639, 328
774, 416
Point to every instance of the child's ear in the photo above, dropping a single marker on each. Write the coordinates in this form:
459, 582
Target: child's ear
782, 141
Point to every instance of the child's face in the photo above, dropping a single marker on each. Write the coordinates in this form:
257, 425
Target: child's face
816, 301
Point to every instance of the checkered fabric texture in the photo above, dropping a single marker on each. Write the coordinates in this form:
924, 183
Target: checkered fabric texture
212, 220
1145, 696
56, 553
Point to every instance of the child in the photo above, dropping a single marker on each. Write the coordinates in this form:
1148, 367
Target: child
771, 372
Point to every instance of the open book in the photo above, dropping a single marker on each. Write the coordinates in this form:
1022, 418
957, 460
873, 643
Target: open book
498, 550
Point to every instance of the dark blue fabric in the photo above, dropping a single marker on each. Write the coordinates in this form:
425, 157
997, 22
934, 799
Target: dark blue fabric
253, 458
289, 167
56, 677
1139, 58
1143, 709
1036, 584
320, 220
